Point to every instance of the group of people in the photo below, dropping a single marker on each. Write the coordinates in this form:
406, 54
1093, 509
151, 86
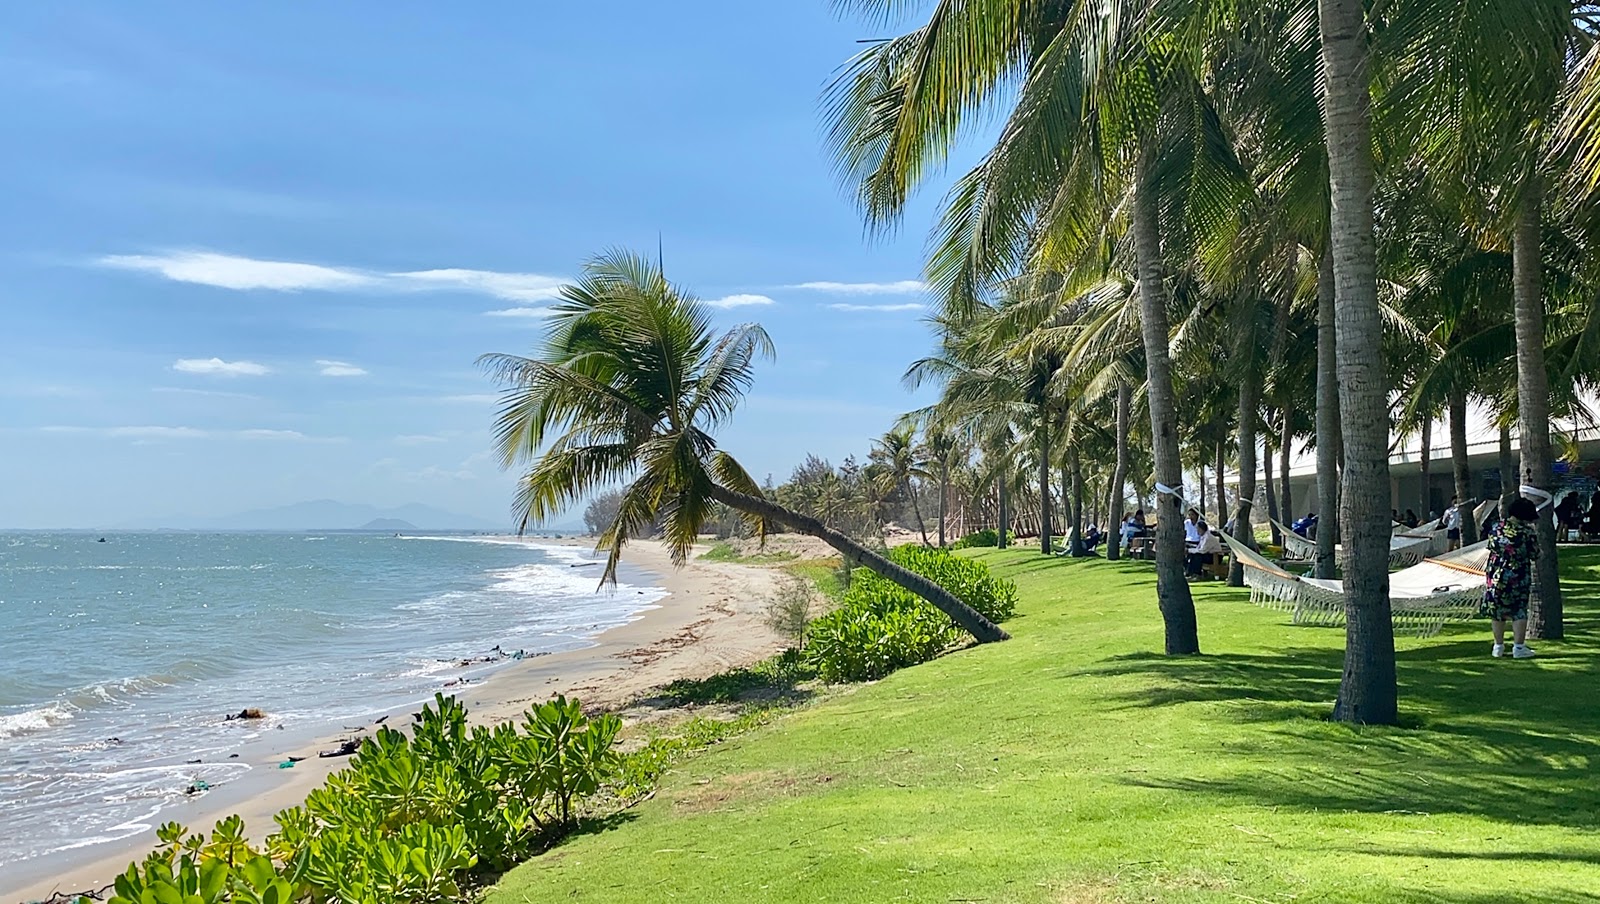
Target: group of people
1572, 516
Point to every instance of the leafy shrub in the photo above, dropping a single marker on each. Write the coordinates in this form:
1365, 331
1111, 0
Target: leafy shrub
406, 821
882, 626
983, 538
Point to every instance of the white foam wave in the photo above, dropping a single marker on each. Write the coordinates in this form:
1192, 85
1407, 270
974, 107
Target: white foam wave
32, 720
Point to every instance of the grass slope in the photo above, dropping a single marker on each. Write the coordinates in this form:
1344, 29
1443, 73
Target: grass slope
1073, 765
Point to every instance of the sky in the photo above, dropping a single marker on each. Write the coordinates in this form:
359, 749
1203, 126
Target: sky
250, 252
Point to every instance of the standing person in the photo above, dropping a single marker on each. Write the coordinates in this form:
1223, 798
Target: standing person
1569, 514
1452, 523
1128, 531
1509, 577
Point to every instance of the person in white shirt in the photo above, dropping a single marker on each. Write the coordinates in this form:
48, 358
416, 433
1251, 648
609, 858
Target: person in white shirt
1206, 550
1452, 522
1191, 528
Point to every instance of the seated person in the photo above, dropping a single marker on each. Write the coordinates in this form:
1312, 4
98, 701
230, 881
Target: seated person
1205, 551
1410, 519
1093, 536
1191, 528
1305, 525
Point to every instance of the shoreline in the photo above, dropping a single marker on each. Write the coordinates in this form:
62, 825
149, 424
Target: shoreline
711, 619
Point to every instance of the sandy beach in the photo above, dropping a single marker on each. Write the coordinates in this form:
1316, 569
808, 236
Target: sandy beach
712, 620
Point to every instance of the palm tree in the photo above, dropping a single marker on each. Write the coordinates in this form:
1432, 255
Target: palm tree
941, 446
629, 387
1367, 689
903, 463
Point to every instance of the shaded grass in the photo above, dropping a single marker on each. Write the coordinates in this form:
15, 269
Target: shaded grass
1071, 764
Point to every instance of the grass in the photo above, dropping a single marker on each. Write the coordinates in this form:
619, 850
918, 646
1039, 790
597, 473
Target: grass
1073, 765
724, 552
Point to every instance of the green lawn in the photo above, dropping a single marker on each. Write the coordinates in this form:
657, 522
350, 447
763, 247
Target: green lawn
1074, 765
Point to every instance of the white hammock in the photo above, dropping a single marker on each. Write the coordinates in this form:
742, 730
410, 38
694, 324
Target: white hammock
1295, 547
1404, 549
1421, 598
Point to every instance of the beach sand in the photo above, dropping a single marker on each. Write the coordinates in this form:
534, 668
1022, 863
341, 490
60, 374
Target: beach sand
712, 620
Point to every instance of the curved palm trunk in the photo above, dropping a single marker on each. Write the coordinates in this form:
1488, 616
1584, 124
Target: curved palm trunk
854, 553
1249, 387
1045, 502
1533, 409
1458, 463
1367, 688
1119, 475
1327, 422
916, 509
1172, 590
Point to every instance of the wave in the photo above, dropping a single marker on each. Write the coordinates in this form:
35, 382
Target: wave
115, 692
29, 721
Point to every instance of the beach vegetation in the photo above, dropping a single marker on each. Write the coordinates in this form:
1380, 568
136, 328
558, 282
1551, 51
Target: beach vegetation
629, 388
986, 538
790, 609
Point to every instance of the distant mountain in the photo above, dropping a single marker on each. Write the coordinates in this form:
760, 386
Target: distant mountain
328, 514
388, 524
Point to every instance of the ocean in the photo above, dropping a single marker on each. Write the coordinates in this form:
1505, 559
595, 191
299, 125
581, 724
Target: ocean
120, 659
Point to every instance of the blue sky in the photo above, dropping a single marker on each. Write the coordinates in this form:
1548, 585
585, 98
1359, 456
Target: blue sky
250, 251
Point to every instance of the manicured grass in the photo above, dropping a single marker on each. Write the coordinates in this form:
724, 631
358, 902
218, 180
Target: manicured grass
1075, 764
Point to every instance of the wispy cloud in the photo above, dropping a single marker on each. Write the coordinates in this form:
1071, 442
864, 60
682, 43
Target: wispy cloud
876, 308
900, 287
340, 369
739, 301
209, 393
226, 271
232, 271
217, 367
537, 313
145, 433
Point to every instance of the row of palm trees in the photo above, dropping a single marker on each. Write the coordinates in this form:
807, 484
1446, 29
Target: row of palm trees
1240, 213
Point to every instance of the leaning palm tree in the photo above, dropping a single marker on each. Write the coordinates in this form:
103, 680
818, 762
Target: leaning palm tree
629, 387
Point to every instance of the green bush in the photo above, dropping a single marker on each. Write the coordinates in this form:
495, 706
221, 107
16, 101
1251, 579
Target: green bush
881, 626
983, 538
407, 821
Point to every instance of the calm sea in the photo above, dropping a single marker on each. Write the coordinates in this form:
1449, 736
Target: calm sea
119, 659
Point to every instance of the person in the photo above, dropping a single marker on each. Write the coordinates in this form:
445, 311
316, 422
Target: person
1206, 549
1410, 519
1509, 577
1128, 531
1140, 522
1191, 527
1569, 514
1305, 525
1092, 537
1452, 523
1591, 521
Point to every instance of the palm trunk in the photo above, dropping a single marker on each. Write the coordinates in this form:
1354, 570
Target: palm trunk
1533, 408
1002, 522
1045, 503
1458, 463
1205, 510
1327, 422
1222, 492
1285, 498
916, 509
970, 620
1367, 688
1273, 511
1426, 439
1119, 475
1077, 505
1172, 589
1508, 470
944, 496
1249, 387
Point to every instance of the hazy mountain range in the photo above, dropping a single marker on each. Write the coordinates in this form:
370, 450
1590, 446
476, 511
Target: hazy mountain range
328, 514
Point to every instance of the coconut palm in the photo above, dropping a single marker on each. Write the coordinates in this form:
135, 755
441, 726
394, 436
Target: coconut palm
629, 388
903, 462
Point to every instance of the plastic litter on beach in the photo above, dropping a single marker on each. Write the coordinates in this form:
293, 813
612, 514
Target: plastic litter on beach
286, 764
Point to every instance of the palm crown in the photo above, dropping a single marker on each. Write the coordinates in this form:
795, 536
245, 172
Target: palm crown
630, 386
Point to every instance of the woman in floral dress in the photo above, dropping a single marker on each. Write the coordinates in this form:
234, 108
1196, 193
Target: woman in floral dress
1512, 546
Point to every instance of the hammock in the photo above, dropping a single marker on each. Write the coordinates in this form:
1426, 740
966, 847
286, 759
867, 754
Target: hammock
1404, 549
1483, 510
1421, 598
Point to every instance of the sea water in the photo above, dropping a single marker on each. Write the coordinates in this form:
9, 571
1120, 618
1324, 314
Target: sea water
119, 660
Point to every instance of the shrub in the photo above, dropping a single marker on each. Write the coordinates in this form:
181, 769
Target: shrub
882, 627
406, 821
790, 609
986, 537
774, 677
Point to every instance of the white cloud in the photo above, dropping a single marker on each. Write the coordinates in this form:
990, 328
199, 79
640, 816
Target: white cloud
739, 301
523, 287
340, 369
876, 308
227, 271
147, 433
232, 271
539, 313
901, 287
220, 368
